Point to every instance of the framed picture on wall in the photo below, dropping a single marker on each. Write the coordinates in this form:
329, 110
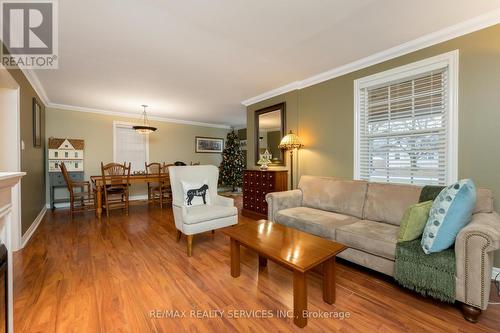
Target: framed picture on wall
209, 145
37, 124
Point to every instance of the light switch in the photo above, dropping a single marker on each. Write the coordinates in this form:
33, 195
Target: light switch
22, 145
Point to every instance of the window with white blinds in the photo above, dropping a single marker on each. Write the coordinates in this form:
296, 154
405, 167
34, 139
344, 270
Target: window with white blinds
404, 122
130, 146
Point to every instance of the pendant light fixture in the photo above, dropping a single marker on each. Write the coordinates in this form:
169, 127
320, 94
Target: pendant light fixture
144, 128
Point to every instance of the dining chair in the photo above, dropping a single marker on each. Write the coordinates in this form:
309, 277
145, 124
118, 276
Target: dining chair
167, 189
82, 200
116, 183
152, 169
156, 189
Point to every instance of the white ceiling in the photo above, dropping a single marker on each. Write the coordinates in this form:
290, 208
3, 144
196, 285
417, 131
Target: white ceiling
197, 60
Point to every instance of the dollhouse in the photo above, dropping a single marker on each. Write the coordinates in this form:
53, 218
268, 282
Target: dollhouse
69, 151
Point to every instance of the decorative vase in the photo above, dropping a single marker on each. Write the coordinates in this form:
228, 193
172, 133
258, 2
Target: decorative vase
264, 167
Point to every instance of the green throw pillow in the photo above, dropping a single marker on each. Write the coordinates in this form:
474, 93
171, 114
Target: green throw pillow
414, 221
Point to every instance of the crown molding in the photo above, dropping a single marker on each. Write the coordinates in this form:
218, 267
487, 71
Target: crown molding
35, 83
37, 86
454, 31
275, 92
65, 107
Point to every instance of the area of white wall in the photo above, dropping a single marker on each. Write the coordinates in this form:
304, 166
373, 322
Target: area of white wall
10, 161
10, 150
10, 156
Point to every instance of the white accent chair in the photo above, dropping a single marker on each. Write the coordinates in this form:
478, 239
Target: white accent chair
192, 220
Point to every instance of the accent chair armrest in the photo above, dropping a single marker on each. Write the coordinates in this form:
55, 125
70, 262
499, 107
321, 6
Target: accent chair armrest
474, 248
277, 201
224, 201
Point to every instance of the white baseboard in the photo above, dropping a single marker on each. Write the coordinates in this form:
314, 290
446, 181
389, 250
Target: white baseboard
494, 272
27, 235
131, 198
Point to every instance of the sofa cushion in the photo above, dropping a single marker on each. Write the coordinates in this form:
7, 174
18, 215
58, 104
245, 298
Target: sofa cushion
370, 236
335, 195
388, 202
314, 221
202, 213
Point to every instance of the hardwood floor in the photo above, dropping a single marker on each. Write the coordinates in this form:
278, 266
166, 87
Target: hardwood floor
124, 274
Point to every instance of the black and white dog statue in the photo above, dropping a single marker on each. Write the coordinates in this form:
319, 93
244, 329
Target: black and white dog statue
201, 192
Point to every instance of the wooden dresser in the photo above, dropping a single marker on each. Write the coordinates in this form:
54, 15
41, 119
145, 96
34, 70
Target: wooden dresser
256, 184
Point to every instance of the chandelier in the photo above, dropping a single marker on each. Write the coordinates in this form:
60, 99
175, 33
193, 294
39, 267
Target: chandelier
144, 128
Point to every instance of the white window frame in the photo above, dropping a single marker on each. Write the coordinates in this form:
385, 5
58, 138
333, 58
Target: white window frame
130, 125
446, 60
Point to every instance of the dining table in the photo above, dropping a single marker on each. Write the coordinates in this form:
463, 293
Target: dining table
144, 178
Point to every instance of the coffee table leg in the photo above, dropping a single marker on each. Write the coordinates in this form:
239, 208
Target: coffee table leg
262, 261
329, 281
299, 298
235, 258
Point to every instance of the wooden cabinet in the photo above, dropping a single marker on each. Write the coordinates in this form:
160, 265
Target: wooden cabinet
56, 180
256, 184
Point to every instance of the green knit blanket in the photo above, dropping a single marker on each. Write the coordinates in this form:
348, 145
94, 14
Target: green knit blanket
428, 274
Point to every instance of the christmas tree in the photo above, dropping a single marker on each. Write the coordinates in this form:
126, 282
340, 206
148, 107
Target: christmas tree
232, 165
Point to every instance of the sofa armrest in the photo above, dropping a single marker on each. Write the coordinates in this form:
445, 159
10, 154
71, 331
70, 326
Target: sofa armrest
277, 201
474, 249
224, 201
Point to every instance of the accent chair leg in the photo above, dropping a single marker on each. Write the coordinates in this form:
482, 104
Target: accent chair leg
189, 245
179, 234
470, 313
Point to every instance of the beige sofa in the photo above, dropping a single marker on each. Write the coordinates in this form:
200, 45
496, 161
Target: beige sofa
366, 216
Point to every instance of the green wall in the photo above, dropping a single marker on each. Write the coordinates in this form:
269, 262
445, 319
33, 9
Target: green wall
323, 114
171, 142
32, 159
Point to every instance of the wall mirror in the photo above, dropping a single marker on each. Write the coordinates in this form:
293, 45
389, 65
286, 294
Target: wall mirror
269, 129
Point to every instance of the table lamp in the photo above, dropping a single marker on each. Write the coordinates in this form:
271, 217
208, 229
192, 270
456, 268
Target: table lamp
290, 142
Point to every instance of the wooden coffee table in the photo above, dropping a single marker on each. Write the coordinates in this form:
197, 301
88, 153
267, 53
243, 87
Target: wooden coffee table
291, 248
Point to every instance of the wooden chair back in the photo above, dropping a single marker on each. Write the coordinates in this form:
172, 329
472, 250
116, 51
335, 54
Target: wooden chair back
67, 178
165, 166
115, 174
154, 168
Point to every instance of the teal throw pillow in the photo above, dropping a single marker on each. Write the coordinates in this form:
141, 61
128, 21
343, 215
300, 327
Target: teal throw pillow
451, 211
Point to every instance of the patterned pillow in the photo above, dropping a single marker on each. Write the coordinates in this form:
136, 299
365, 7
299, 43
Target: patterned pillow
451, 211
196, 194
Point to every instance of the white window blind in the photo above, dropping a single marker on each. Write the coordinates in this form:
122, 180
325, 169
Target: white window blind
403, 129
130, 146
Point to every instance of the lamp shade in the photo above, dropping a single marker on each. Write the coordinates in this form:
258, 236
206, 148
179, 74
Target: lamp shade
290, 141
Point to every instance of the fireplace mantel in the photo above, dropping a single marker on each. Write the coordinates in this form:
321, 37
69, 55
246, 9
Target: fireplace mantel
10, 226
